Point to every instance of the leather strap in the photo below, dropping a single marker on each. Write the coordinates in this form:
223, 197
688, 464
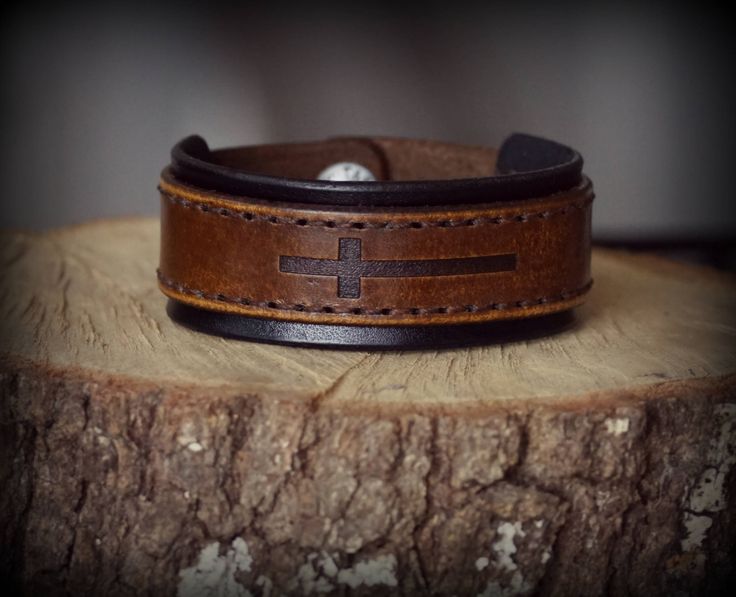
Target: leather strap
449, 235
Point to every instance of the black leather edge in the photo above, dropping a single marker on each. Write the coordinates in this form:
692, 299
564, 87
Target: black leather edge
315, 335
528, 167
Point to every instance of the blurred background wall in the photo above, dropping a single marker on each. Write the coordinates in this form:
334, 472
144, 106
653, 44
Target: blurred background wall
94, 97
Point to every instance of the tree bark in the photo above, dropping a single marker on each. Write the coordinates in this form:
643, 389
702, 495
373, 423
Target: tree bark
141, 458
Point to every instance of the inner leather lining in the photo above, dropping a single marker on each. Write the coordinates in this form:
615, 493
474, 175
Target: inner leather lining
409, 172
386, 158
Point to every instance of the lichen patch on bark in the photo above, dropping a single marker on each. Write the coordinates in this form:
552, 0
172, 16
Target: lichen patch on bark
708, 493
215, 573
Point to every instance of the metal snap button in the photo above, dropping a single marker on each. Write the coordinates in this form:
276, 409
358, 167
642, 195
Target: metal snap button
346, 171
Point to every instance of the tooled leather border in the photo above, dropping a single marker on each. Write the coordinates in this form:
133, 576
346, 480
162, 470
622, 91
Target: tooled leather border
360, 224
224, 206
380, 312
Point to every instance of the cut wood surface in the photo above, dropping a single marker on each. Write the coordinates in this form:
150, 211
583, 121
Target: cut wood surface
139, 457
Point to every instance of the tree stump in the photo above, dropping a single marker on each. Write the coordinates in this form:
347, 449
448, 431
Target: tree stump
140, 458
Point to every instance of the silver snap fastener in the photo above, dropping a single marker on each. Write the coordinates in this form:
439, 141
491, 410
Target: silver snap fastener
346, 171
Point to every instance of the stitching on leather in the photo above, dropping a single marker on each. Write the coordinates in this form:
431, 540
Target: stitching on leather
302, 308
360, 225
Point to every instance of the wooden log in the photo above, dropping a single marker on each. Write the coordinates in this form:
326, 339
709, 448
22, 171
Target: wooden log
140, 458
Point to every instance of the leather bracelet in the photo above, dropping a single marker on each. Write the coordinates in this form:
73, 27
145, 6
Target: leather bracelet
448, 245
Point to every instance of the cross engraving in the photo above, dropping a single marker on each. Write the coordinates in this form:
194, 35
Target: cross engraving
350, 267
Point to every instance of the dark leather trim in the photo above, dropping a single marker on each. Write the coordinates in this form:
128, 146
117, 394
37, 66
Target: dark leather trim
527, 166
355, 337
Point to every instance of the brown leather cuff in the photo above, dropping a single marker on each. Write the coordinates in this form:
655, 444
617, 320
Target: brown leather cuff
448, 237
